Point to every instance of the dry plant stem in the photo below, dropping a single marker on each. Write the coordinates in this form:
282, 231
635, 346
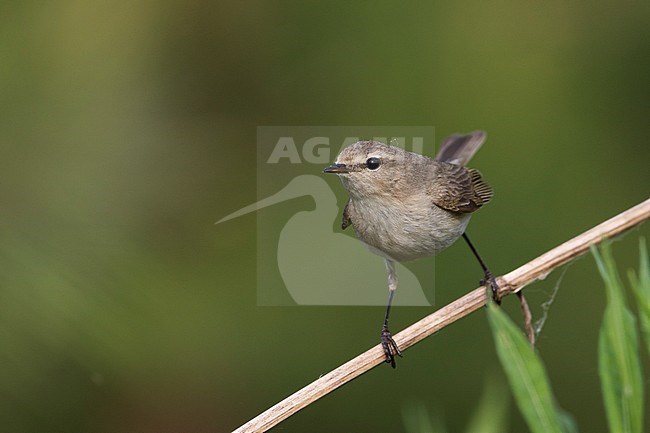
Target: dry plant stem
509, 283
528, 317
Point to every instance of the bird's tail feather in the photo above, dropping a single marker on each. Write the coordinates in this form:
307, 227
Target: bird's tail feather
459, 149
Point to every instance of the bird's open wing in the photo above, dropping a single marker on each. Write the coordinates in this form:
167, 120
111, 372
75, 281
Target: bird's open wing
459, 189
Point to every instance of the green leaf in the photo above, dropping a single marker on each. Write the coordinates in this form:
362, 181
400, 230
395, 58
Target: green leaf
641, 290
526, 374
618, 353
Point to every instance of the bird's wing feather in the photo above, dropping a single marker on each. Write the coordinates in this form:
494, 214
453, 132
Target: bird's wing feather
458, 189
346, 220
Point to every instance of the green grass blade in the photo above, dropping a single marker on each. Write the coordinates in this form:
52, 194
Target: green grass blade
641, 290
417, 419
491, 414
526, 374
618, 353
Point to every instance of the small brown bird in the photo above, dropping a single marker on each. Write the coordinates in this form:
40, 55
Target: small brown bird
404, 206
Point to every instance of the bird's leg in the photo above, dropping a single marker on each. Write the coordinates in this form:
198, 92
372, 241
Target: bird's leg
488, 279
387, 343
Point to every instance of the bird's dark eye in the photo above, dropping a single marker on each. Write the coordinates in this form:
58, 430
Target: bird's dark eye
373, 163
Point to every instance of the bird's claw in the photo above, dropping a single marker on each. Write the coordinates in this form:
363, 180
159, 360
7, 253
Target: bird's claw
390, 346
489, 281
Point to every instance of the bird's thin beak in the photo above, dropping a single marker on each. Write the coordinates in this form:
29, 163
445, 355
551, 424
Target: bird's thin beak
336, 169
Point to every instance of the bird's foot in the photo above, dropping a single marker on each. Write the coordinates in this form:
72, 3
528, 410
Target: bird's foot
389, 346
490, 282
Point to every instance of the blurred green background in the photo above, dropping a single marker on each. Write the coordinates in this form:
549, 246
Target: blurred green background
129, 128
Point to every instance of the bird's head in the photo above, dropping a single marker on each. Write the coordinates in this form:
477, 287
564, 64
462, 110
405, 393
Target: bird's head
369, 168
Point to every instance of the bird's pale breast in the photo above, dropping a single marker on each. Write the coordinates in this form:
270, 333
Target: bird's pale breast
406, 230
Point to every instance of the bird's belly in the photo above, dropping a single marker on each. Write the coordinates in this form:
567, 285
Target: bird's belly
405, 236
